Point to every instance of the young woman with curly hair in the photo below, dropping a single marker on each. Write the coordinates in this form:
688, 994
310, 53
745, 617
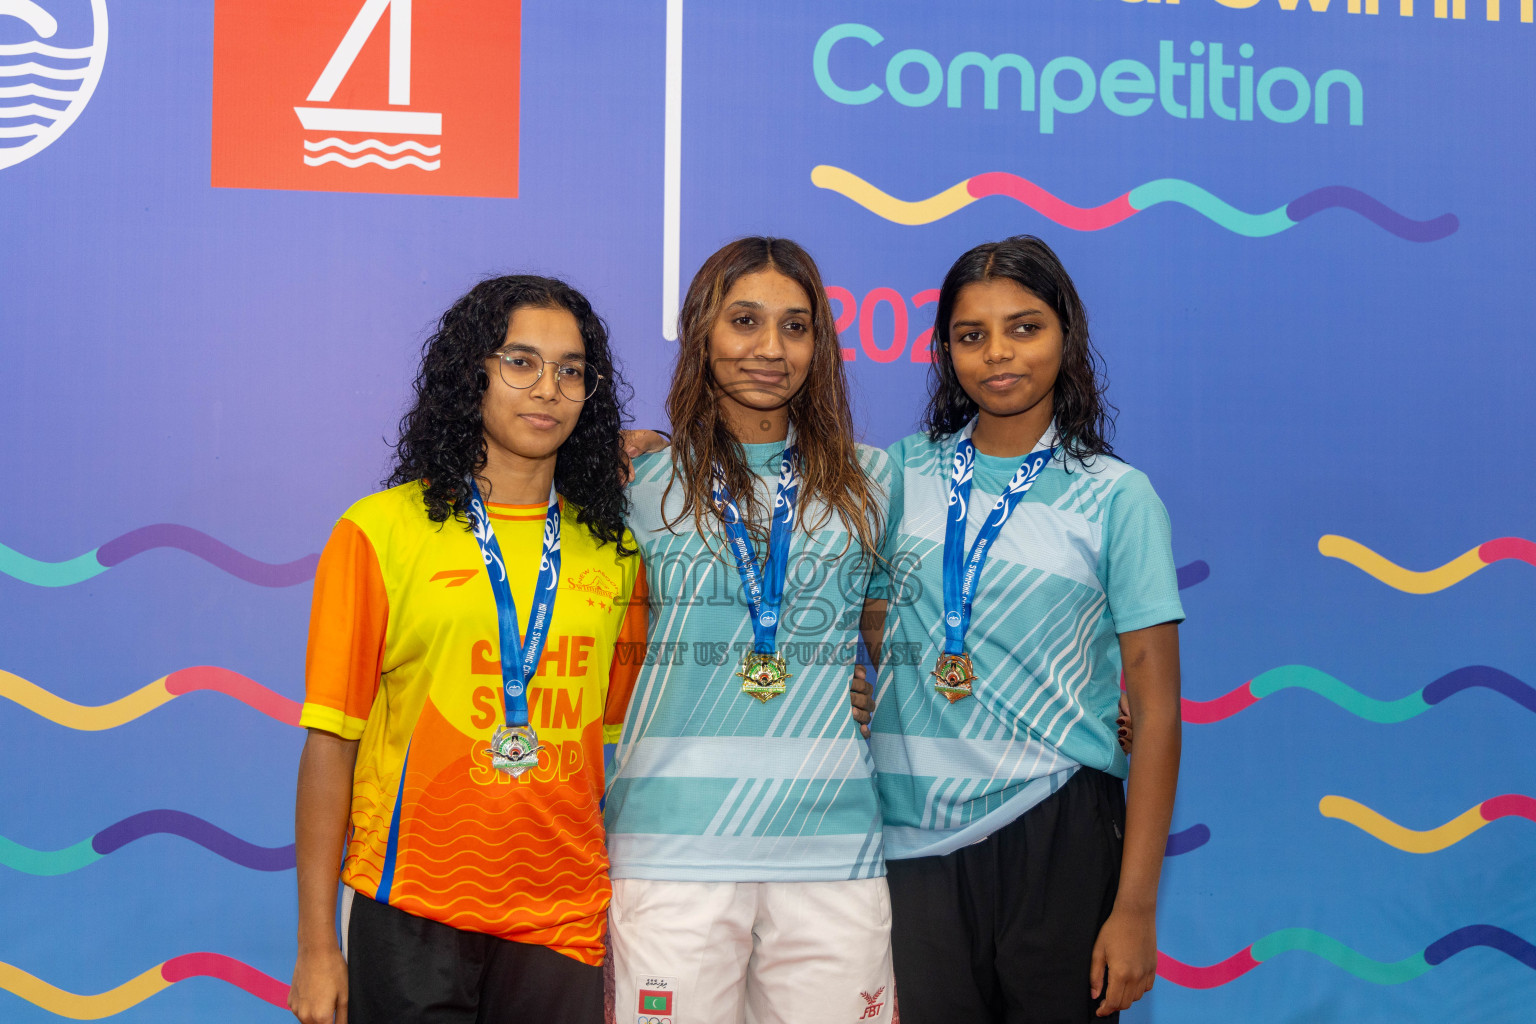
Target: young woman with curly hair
1030, 567
743, 827
464, 664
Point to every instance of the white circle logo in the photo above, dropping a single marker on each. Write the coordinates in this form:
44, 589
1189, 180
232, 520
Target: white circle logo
50, 62
953, 618
514, 690
770, 619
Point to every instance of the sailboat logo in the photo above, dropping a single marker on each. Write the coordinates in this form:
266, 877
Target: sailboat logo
411, 97
50, 62
421, 151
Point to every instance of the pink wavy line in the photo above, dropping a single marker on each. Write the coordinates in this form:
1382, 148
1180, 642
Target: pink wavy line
1204, 712
1001, 183
233, 684
1510, 805
1190, 976
227, 969
1508, 547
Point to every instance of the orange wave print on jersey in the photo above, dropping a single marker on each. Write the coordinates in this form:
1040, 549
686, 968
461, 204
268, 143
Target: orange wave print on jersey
371, 806
522, 859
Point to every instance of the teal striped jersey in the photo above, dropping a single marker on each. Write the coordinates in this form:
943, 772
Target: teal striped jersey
709, 784
1085, 556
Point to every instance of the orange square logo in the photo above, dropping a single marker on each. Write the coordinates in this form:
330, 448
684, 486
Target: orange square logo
394, 96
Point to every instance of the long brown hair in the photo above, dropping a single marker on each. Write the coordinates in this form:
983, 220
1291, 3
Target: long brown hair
819, 411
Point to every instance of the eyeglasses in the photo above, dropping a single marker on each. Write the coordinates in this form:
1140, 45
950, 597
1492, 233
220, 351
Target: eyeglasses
522, 370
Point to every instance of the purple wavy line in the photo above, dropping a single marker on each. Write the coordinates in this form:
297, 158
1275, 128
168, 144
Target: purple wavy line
1191, 838
1481, 935
1195, 572
214, 552
1373, 210
189, 826
1484, 677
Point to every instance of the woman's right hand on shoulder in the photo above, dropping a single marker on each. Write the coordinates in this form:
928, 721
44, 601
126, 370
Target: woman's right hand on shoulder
319, 991
638, 443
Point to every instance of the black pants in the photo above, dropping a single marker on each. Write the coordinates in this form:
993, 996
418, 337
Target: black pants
403, 969
1003, 930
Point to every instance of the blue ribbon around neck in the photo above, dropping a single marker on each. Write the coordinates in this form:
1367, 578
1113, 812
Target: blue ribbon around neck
962, 572
763, 586
519, 658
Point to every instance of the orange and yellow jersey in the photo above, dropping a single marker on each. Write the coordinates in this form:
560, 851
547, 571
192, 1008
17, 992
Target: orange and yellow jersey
403, 657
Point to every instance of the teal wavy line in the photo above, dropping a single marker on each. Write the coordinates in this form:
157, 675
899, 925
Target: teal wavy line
1174, 190
1345, 696
49, 574
1340, 955
47, 862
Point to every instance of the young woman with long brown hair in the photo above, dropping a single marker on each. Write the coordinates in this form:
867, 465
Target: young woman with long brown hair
743, 825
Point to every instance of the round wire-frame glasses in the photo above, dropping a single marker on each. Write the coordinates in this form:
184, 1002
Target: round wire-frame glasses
522, 370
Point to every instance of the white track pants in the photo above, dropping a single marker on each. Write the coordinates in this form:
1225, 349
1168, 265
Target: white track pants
751, 952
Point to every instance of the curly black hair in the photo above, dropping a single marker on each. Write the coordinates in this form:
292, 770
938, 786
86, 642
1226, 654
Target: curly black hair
1085, 419
442, 438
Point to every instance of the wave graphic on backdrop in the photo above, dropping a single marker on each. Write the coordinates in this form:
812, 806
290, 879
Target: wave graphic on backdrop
131, 993
48, 108
1510, 805
1187, 840
221, 556
1303, 677
1142, 197
147, 538
1193, 573
93, 718
1345, 958
146, 823
371, 150
1430, 580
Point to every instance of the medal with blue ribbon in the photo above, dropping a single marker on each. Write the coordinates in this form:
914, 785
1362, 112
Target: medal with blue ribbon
763, 672
515, 746
954, 674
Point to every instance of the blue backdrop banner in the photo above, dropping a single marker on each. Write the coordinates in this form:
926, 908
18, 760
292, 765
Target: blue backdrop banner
1303, 231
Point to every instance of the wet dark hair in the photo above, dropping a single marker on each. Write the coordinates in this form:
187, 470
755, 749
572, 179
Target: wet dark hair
823, 420
442, 438
1085, 420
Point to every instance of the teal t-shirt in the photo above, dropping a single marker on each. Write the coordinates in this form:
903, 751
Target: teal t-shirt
1086, 555
709, 783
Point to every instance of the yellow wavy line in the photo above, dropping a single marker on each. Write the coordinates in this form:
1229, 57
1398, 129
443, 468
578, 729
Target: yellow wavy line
78, 1007
82, 716
1394, 575
924, 211
1390, 832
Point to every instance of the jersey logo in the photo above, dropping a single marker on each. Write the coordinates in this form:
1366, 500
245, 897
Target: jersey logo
455, 577
367, 96
873, 1004
593, 581
597, 585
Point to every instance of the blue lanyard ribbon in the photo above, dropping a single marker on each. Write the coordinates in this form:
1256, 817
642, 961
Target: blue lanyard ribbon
763, 586
519, 658
962, 573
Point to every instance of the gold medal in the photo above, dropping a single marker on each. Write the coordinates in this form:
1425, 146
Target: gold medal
763, 675
954, 675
